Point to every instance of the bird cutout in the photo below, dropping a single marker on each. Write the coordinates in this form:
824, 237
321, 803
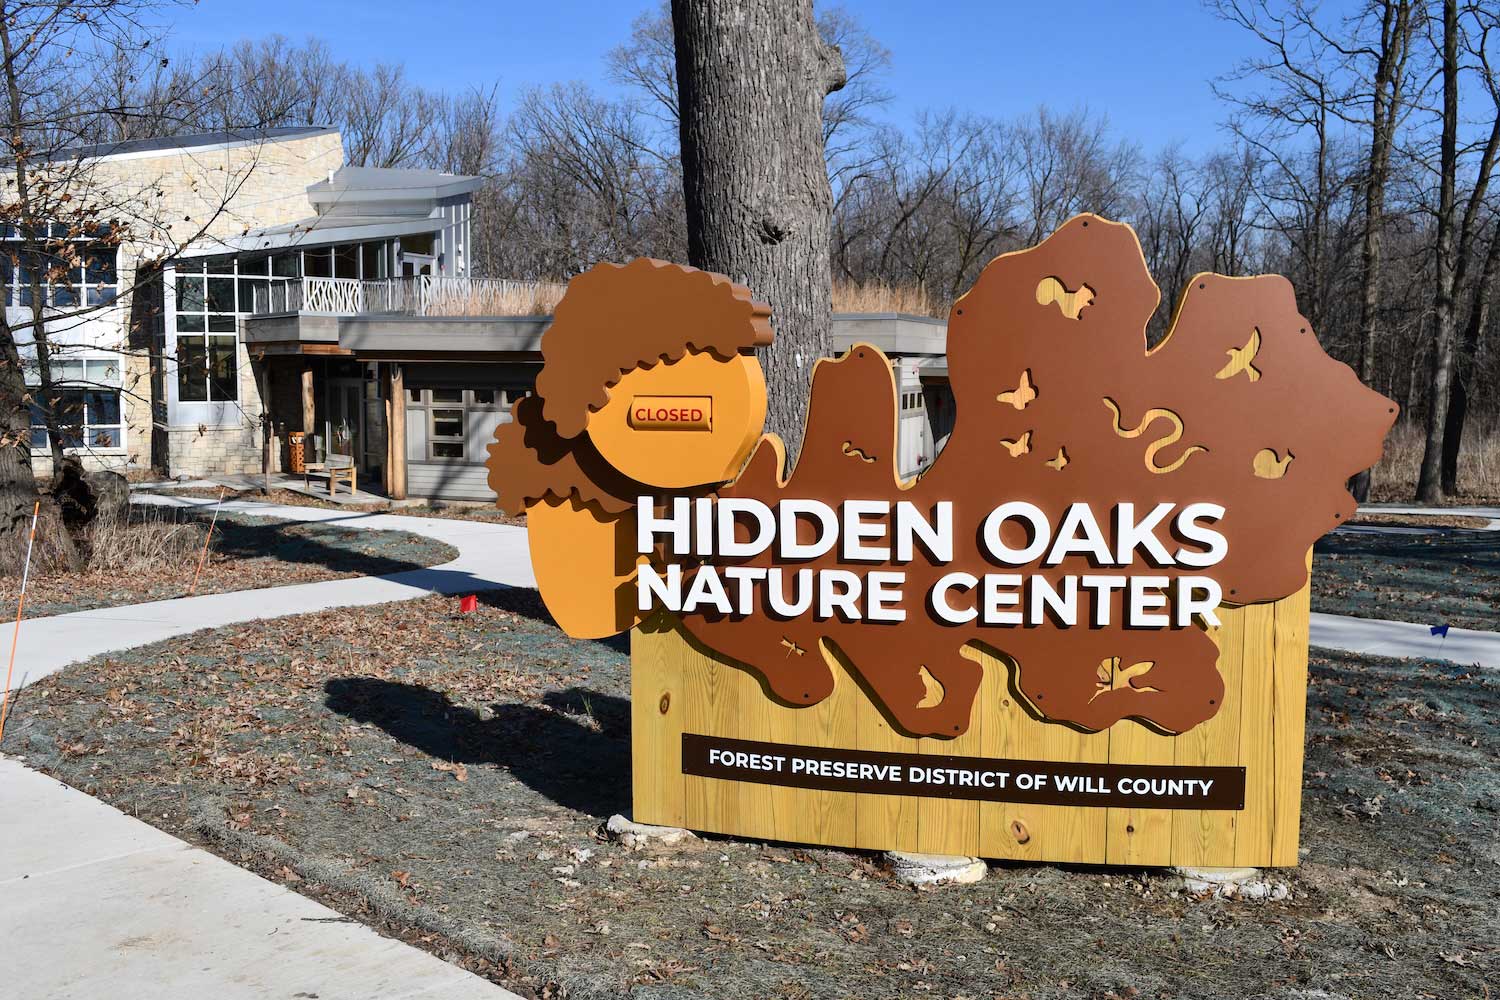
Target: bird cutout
1023, 393
1268, 465
935, 692
1058, 462
854, 452
792, 647
1112, 678
1019, 446
1240, 359
1160, 443
1052, 290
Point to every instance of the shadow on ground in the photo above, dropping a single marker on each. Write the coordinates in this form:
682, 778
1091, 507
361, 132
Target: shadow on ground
335, 548
575, 750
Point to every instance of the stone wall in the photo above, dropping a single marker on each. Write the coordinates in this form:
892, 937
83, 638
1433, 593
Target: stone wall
175, 197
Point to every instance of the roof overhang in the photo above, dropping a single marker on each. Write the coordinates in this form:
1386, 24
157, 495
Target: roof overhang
897, 334
429, 189
913, 340
321, 231
396, 338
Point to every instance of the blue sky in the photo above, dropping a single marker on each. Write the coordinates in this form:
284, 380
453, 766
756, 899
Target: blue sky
1146, 64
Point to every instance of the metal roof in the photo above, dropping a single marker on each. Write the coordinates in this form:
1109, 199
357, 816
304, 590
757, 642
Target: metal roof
319, 230
197, 140
364, 184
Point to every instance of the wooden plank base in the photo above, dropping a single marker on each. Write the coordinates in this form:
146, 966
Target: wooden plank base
677, 686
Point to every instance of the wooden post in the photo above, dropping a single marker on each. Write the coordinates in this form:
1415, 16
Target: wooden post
395, 432
309, 403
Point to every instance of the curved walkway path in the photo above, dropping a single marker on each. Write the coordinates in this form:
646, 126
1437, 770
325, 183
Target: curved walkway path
489, 556
1377, 637
96, 903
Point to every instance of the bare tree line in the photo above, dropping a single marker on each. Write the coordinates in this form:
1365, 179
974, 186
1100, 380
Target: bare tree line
1355, 159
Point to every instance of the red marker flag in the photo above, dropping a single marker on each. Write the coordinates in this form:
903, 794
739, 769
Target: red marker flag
467, 603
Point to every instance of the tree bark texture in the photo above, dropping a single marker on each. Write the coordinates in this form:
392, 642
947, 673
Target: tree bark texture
751, 78
1429, 483
1458, 396
1386, 93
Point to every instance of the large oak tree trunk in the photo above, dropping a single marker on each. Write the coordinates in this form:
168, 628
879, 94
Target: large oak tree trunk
751, 78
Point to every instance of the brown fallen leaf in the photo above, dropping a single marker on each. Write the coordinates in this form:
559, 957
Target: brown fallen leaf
459, 771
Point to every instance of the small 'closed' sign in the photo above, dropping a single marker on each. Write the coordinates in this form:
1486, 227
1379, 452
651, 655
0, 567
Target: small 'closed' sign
672, 413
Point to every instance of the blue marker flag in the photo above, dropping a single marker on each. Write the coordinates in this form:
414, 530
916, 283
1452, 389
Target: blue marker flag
1441, 630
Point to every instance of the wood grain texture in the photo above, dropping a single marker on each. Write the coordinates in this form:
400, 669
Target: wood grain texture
1264, 664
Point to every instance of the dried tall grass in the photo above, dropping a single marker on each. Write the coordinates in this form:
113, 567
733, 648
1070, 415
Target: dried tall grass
1395, 478
878, 297
150, 540
493, 299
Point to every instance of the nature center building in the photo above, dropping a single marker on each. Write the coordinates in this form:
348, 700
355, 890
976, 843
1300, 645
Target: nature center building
337, 303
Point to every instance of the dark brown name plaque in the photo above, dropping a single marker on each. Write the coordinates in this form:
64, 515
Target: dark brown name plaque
1040, 782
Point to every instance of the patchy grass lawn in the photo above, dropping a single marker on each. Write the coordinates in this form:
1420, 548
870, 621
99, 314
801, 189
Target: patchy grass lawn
445, 776
247, 552
1431, 578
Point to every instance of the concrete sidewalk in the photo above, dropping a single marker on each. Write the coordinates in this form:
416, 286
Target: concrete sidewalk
1377, 637
489, 556
1493, 513
97, 904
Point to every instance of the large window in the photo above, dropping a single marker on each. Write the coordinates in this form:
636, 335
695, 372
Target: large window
75, 270
456, 425
206, 332
85, 401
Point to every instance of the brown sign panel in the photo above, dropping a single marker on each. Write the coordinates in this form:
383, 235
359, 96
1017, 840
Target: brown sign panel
985, 779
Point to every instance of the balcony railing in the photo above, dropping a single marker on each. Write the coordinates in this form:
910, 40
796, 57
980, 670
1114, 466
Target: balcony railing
419, 296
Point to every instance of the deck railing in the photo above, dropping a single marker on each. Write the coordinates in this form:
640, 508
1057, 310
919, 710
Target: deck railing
419, 296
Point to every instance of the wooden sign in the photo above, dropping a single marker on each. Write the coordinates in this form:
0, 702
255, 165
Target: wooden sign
1079, 635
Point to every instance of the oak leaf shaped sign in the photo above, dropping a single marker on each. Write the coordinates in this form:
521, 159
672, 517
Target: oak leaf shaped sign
1060, 402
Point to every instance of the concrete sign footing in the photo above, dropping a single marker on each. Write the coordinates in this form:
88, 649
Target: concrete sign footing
935, 869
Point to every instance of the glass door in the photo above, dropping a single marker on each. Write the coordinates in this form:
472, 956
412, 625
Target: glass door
345, 421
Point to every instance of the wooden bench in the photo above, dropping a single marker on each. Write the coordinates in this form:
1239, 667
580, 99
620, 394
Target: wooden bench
333, 470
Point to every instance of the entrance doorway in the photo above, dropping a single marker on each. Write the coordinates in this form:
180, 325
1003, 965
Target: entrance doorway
346, 415
356, 424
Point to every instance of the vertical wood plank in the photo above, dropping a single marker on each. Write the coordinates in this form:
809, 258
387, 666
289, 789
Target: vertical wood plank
951, 826
1138, 836
1252, 842
1007, 829
710, 707
815, 817
1205, 837
882, 822
755, 803
1290, 719
656, 711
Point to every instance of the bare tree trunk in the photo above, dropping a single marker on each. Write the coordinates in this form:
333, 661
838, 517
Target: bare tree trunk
1430, 485
1386, 92
17, 482
751, 78
1458, 399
